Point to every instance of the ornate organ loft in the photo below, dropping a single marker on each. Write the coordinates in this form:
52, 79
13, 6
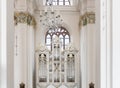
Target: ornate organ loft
56, 68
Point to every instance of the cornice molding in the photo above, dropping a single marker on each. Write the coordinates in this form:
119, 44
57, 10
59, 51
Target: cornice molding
87, 18
24, 17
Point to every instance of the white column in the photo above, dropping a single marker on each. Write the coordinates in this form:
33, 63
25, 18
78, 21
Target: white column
103, 37
7, 43
91, 54
0, 45
115, 44
109, 43
83, 54
97, 81
30, 55
20, 65
17, 56
3, 58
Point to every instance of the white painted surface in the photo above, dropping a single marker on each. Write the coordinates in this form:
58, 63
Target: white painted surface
7, 42
3, 45
115, 44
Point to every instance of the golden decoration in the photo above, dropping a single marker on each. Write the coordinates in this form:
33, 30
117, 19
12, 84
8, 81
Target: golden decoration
24, 17
87, 18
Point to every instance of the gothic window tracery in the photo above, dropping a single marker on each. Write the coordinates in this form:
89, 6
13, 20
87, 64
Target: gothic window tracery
61, 32
57, 2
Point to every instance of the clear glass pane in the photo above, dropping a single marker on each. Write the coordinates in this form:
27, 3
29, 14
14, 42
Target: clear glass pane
66, 36
60, 0
60, 3
59, 30
61, 36
55, 3
48, 41
66, 41
67, 3
48, 36
61, 39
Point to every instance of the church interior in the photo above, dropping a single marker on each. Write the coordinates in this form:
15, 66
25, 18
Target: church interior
59, 44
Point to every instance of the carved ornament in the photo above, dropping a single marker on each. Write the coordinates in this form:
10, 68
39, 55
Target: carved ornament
24, 17
87, 18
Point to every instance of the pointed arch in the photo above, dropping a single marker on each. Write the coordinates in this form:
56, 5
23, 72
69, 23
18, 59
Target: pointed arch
61, 32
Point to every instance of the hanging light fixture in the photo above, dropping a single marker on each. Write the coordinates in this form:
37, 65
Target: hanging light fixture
50, 18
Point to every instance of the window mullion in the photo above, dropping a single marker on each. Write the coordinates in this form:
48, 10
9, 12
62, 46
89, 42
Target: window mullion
57, 2
69, 2
63, 32
63, 42
63, 2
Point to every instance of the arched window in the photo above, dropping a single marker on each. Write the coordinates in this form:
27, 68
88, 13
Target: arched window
61, 32
59, 2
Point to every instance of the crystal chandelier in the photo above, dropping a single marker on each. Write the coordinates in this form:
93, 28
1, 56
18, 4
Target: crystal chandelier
50, 18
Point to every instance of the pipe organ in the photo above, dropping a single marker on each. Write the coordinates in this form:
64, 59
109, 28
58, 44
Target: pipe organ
56, 68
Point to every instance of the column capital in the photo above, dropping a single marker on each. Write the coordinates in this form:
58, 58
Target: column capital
87, 18
24, 17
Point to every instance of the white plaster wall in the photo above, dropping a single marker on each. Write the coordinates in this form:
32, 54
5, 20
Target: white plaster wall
87, 5
21, 5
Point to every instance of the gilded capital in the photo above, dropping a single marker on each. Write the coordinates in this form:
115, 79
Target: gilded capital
24, 17
87, 18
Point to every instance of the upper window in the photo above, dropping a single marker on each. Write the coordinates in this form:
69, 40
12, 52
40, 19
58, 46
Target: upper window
62, 33
59, 2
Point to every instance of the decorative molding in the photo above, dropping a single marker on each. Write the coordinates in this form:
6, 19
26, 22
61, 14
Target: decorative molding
87, 18
24, 17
